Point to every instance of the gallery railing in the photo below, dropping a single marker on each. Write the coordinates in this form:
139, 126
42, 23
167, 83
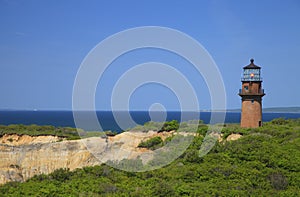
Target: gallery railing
251, 79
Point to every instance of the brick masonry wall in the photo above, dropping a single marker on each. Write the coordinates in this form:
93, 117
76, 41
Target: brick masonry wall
251, 112
253, 88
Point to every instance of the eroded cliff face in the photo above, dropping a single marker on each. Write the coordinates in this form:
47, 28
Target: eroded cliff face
22, 157
18, 163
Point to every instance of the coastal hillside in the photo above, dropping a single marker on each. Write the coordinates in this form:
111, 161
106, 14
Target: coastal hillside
258, 161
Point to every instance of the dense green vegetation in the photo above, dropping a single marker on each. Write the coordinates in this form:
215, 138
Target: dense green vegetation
264, 162
173, 125
37, 130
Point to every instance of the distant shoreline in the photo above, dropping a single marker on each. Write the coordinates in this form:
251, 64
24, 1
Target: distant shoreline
265, 110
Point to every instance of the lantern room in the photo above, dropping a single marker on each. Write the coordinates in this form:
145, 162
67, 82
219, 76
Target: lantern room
251, 72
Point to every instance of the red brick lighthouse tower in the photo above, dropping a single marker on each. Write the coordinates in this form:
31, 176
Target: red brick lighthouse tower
251, 94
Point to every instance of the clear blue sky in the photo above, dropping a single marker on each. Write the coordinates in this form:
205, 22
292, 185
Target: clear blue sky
42, 44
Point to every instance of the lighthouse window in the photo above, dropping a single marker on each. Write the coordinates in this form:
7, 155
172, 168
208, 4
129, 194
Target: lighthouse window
246, 87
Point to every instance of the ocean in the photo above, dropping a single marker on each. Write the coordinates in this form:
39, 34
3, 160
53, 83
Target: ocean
107, 121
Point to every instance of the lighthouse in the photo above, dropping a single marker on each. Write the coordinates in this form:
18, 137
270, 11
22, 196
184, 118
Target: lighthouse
251, 94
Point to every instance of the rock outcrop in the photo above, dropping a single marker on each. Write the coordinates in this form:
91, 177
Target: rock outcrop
233, 136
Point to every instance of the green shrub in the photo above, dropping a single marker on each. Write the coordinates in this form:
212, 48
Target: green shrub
280, 121
110, 133
61, 174
202, 129
278, 181
170, 126
152, 143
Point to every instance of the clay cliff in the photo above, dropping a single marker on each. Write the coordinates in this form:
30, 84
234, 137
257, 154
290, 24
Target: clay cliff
22, 157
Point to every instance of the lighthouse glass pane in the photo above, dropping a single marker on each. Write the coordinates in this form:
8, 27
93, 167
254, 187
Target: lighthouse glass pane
251, 75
